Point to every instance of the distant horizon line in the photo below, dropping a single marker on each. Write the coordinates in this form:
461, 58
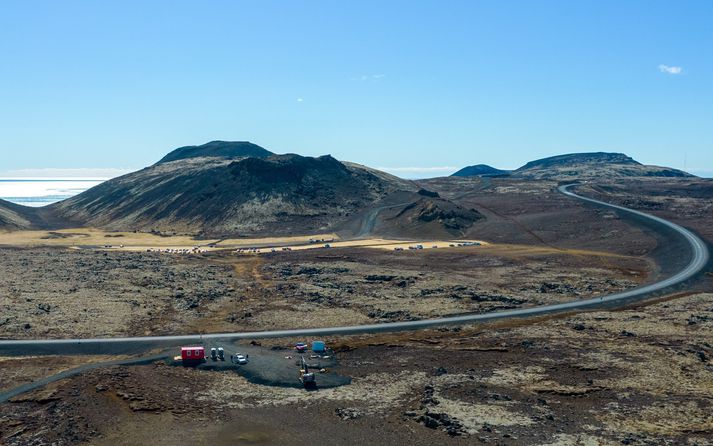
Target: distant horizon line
52, 179
104, 174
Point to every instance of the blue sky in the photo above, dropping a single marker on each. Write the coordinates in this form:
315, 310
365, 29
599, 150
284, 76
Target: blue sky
411, 86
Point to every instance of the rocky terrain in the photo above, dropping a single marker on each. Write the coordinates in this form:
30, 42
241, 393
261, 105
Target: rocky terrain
358, 287
59, 292
54, 292
641, 376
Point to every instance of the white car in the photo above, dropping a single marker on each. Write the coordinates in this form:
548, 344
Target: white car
240, 359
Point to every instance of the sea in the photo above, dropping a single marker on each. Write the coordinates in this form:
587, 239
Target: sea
37, 192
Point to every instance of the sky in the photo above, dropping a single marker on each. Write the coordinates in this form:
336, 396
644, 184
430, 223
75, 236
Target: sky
417, 88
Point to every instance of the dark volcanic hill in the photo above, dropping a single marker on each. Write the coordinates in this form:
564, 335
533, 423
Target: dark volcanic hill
479, 170
13, 216
16, 217
592, 165
432, 216
232, 195
220, 149
573, 159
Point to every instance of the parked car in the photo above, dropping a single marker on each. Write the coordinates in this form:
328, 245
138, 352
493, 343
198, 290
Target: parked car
301, 347
214, 354
240, 359
221, 354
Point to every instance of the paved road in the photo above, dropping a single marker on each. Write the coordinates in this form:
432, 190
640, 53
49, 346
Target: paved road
699, 259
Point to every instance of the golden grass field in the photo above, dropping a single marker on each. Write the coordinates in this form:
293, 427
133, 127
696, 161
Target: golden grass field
93, 238
138, 241
141, 241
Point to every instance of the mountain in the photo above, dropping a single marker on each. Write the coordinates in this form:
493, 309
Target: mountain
592, 165
577, 165
574, 159
217, 190
479, 170
219, 149
239, 188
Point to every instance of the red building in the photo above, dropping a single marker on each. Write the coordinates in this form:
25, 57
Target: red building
192, 354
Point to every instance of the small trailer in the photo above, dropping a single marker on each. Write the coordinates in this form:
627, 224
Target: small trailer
318, 347
192, 355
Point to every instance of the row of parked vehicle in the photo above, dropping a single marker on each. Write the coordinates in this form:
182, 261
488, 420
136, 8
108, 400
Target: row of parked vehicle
218, 354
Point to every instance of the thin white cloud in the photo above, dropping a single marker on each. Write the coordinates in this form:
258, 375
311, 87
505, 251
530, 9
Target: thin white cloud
416, 172
668, 69
300, 100
368, 77
418, 169
79, 173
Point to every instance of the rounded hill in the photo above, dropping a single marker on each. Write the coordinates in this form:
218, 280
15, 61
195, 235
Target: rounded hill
219, 149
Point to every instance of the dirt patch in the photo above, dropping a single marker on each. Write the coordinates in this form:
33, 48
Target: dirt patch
18, 370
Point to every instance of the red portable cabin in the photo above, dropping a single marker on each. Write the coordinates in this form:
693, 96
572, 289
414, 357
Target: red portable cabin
192, 353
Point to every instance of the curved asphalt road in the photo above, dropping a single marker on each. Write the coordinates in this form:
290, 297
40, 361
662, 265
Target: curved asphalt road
699, 259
